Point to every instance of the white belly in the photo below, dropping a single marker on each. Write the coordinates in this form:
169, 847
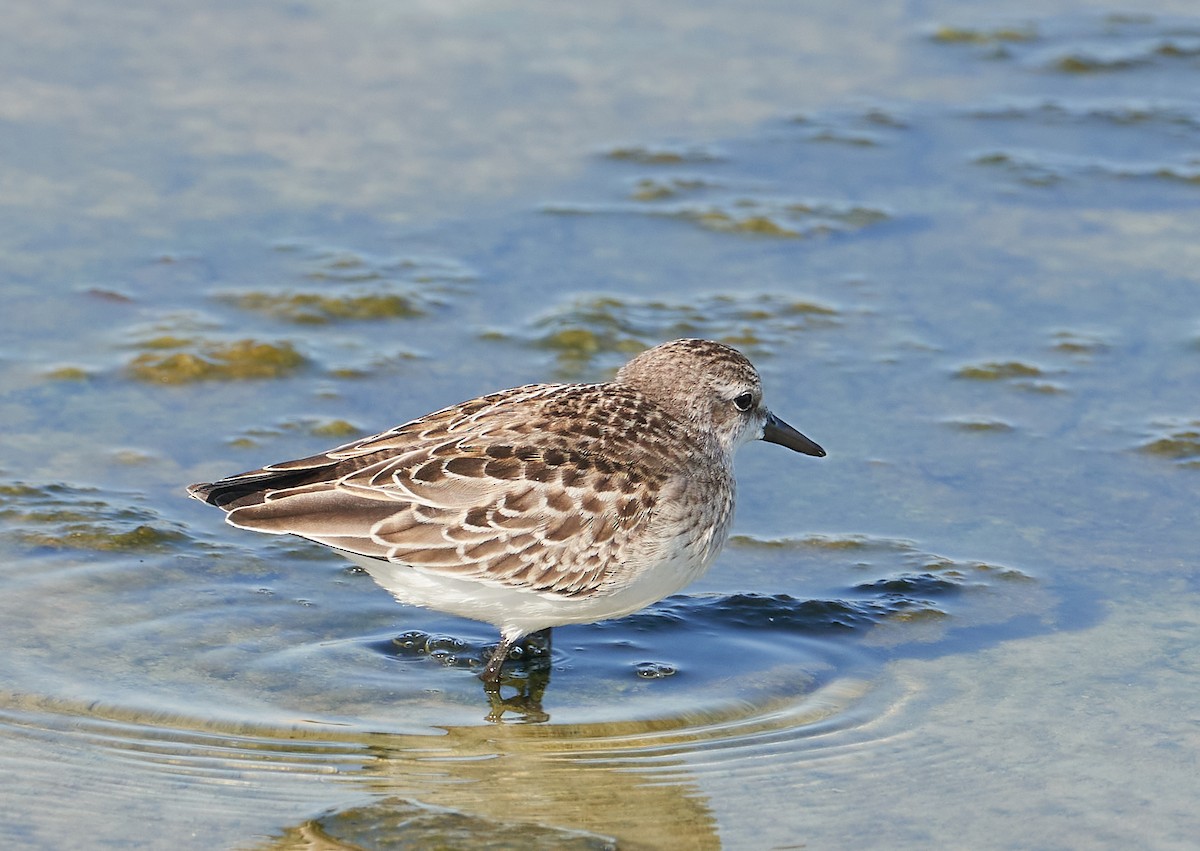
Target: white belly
520, 611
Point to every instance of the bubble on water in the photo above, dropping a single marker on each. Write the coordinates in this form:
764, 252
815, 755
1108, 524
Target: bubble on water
655, 670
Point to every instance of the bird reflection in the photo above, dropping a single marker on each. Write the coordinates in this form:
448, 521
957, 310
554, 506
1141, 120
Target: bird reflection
528, 671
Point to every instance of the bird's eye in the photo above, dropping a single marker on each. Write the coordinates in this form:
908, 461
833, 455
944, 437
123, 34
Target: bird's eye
743, 402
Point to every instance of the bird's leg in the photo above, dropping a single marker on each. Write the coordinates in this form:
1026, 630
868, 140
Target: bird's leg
491, 671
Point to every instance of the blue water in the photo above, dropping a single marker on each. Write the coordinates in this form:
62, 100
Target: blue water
961, 248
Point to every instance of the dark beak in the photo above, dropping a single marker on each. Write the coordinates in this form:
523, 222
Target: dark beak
777, 431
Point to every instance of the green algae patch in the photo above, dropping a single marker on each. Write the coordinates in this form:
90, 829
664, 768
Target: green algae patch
1072, 343
591, 328
757, 224
998, 371
1184, 444
579, 345
867, 128
68, 373
842, 137
12, 492
976, 35
1030, 169
655, 189
346, 265
317, 309
752, 217
103, 539
164, 341
352, 373
1079, 47
216, 361
1134, 54
1081, 63
744, 216
1040, 169
647, 155
1054, 110
1178, 174
333, 429
1180, 442
60, 516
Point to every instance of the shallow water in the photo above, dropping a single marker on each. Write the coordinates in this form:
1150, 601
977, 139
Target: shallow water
960, 247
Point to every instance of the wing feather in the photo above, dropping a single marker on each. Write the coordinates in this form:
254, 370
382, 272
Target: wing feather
481, 490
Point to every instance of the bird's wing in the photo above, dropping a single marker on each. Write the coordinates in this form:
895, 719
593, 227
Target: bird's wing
484, 490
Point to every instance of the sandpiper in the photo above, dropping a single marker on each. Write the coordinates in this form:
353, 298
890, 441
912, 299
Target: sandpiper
539, 506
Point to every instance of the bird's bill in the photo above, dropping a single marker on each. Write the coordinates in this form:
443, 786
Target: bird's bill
777, 431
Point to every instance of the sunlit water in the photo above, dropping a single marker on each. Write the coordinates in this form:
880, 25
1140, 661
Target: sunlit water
961, 249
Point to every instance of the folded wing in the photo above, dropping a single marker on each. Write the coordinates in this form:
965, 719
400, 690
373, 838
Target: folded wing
537, 504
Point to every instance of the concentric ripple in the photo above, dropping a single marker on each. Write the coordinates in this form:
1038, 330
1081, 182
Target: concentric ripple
239, 677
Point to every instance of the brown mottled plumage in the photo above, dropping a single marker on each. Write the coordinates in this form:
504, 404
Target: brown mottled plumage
538, 506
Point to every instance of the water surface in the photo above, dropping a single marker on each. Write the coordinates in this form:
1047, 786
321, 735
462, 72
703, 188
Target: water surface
961, 247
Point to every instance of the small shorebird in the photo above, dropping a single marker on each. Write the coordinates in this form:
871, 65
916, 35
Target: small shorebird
539, 506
